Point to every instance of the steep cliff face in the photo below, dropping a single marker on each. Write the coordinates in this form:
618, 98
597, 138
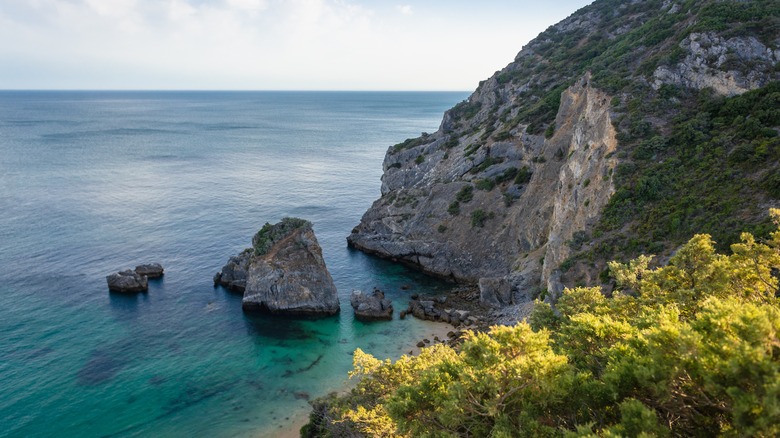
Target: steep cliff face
514, 184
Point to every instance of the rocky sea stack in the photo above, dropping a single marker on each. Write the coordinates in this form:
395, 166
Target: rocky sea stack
283, 272
371, 307
150, 270
127, 282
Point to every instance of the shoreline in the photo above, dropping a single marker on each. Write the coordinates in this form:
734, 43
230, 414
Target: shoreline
433, 330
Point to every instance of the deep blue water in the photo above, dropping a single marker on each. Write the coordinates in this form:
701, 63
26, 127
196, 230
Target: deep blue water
94, 182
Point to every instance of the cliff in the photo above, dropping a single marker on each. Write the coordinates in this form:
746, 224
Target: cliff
578, 151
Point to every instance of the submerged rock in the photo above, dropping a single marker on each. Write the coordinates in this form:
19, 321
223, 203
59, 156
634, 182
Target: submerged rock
127, 282
371, 307
150, 270
284, 272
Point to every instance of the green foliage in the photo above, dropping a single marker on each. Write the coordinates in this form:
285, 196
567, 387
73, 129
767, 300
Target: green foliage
489, 161
454, 208
470, 149
486, 184
441, 228
409, 143
508, 175
548, 133
466, 110
264, 239
479, 217
523, 175
702, 174
688, 349
465, 194
419, 159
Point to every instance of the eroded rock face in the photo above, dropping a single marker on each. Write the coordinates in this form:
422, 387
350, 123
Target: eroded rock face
495, 292
285, 273
371, 307
712, 61
500, 192
503, 231
127, 282
233, 274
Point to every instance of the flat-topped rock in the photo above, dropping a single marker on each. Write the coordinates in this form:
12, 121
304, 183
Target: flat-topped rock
127, 282
371, 307
283, 273
151, 270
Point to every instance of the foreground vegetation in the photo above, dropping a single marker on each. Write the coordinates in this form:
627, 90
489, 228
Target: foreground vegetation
692, 348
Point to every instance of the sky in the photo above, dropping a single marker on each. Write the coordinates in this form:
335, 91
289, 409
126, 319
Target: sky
265, 44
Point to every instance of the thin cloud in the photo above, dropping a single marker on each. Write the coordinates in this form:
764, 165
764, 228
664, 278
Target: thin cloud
404, 9
257, 44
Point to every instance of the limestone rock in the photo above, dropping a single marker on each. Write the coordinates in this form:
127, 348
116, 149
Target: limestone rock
495, 292
150, 270
491, 194
729, 66
371, 307
127, 282
234, 273
285, 273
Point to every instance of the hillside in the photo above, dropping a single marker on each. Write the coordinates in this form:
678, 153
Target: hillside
619, 131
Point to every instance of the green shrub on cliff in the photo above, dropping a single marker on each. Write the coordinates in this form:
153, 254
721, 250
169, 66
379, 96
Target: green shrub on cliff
720, 157
264, 239
689, 349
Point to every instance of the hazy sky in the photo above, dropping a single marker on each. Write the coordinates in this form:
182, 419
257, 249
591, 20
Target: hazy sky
265, 44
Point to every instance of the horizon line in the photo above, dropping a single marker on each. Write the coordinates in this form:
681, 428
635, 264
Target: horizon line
228, 90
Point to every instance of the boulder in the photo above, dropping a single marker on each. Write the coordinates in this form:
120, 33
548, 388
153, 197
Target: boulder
233, 274
127, 282
286, 272
495, 292
151, 270
371, 307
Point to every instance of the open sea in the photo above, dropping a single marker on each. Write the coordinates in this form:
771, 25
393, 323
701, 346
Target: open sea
95, 182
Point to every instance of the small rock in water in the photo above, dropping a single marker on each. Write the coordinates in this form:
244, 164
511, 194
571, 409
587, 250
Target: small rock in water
406, 286
421, 344
127, 282
371, 307
151, 270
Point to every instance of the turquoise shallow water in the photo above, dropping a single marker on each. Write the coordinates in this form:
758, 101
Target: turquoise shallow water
93, 182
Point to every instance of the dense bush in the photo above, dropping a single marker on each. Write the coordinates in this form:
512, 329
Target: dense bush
264, 239
689, 349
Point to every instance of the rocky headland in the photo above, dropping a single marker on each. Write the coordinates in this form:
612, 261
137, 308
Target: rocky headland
283, 273
516, 190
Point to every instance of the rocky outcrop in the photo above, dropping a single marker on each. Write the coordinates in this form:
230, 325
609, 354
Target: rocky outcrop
453, 311
727, 65
495, 212
233, 274
373, 307
150, 270
127, 282
284, 272
495, 292
513, 183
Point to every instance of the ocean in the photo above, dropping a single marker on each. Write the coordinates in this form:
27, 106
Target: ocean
95, 182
